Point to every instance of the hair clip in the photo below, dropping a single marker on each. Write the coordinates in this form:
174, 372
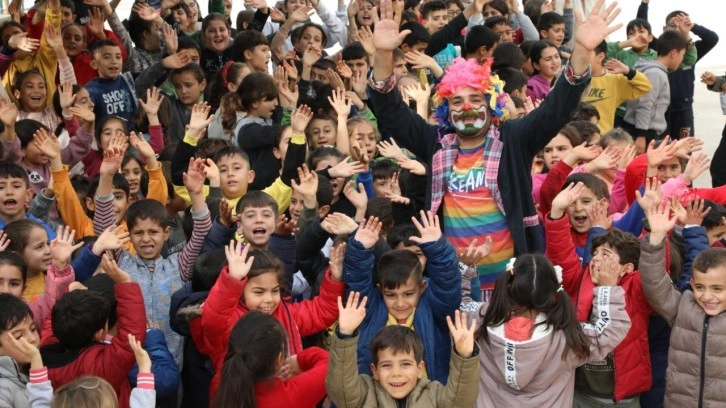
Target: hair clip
561, 289
558, 272
510, 265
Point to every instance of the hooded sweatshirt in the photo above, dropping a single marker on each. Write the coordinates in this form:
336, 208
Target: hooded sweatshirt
648, 111
12, 384
532, 373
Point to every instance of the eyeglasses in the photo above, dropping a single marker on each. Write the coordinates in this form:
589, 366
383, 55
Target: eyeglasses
453, 13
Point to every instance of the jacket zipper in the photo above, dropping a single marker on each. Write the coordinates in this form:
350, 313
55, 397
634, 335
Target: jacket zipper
703, 361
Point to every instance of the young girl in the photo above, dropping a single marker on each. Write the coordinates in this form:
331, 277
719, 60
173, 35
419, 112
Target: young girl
223, 96
546, 62
531, 341
31, 258
216, 44
258, 351
556, 150
256, 283
331, 163
107, 128
524, 29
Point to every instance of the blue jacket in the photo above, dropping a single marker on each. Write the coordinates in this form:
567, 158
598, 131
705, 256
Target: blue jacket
85, 263
441, 297
166, 373
695, 240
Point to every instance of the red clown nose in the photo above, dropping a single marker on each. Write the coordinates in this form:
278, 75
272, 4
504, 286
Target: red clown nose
466, 106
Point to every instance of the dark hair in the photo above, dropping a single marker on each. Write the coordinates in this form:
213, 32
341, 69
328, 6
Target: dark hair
18, 232
208, 148
191, 68
710, 258
592, 182
256, 87
25, 129
166, 116
431, 6
494, 21
137, 27
354, 51
571, 133
408, 16
146, 210
10, 170
384, 169
401, 234
298, 32
411, 4
323, 152
13, 311
381, 207
508, 54
20, 77
669, 41
264, 262
480, 36
101, 123
532, 284
585, 111
213, 17
514, 79
119, 183
183, 6
638, 23
247, 41
624, 244
77, 316
548, 20
98, 44
533, 9
56, 99
398, 339
499, 5
244, 16
418, 34
186, 43
715, 217
585, 129
103, 284
324, 64
396, 267
13, 259
206, 270
231, 151
256, 343
602, 48
324, 195
257, 199
673, 14
535, 53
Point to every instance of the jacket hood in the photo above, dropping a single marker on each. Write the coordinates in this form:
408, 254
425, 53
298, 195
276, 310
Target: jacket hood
644, 65
9, 371
185, 305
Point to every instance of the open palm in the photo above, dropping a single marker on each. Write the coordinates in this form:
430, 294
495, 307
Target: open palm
386, 36
591, 31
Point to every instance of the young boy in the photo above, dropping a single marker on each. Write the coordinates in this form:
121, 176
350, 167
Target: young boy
74, 343
398, 366
15, 195
400, 296
612, 83
626, 373
383, 172
645, 117
480, 43
16, 321
696, 316
500, 25
434, 15
551, 26
146, 221
253, 49
112, 92
356, 58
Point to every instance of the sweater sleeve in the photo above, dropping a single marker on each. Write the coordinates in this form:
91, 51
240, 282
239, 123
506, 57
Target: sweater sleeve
156, 138
529, 31
444, 277
646, 104
560, 249
254, 136
612, 324
344, 385
188, 255
708, 40
85, 263
448, 34
695, 241
618, 200
634, 176
308, 388
218, 315
657, 285
358, 268
552, 185
66, 72
39, 388
316, 315
56, 285
337, 30
78, 147
69, 207
158, 190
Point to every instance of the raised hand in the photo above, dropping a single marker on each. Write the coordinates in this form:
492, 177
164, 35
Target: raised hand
358, 83
337, 256
565, 199
391, 150
336, 82
110, 240
66, 96
95, 23
413, 166
340, 103
339, 224
473, 254
199, 120
660, 222
695, 167
153, 101
48, 144
4, 241
590, 32
664, 152
285, 226
582, 152
8, 113
608, 272
54, 39
61, 248
288, 91
109, 265
628, 154
145, 12
83, 114
176, 61
365, 36
171, 41
290, 70
343, 70
302, 14
462, 335
308, 183
239, 262
419, 93
299, 118
687, 145
226, 217
352, 314
695, 212
707, 77
598, 215
22, 42
428, 228
194, 176
358, 198
311, 55
651, 196
607, 160
419, 60
139, 143
211, 172
369, 232
386, 36
346, 168
616, 67
142, 357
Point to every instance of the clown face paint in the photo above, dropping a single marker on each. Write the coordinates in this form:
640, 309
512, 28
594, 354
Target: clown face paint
469, 122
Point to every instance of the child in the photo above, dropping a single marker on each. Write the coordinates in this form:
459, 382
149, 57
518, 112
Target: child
253, 50
551, 26
256, 283
15, 195
695, 316
399, 294
555, 151
258, 349
398, 365
75, 344
546, 62
147, 224
216, 49
524, 29
624, 374
112, 92
645, 117
531, 341
16, 323
222, 93
480, 43
322, 131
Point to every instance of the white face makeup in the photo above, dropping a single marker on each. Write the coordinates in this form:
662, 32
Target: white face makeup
469, 122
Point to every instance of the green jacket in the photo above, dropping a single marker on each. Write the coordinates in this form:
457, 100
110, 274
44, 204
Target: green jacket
347, 389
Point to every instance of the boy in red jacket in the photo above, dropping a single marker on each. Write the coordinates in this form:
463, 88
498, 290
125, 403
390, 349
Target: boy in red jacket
77, 345
626, 372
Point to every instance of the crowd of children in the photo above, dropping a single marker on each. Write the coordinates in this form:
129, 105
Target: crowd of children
472, 204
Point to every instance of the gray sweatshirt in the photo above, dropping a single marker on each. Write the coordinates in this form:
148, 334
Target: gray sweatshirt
12, 385
648, 111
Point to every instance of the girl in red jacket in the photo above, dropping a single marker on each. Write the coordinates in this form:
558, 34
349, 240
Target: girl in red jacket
258, 350
255, 283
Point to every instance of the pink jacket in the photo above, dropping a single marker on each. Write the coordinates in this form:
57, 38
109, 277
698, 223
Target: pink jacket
56, 285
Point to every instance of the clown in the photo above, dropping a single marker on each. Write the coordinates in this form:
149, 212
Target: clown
479, 161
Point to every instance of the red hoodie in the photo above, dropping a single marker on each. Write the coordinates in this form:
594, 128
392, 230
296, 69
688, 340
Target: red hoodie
224, 308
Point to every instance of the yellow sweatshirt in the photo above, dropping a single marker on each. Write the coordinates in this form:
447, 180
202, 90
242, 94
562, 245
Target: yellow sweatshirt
606, 92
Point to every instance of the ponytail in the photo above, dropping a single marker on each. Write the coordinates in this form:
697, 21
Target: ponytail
236, 388
229, 106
